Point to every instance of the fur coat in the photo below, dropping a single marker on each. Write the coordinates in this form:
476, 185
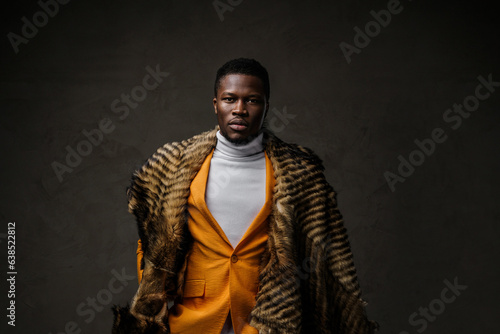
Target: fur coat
307, 277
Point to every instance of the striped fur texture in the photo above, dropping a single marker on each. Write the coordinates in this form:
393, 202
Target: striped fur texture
308, 281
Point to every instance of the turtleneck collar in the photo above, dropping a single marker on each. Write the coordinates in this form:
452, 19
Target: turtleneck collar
225, 148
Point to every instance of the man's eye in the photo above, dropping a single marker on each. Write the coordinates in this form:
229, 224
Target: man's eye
253, 100
228, 99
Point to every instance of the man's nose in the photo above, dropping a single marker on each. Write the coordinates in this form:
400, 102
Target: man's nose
239, 107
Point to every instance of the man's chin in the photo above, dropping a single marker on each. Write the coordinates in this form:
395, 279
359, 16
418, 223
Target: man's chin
238, 140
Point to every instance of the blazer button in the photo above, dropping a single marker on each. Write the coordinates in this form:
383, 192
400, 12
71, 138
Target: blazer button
234, 258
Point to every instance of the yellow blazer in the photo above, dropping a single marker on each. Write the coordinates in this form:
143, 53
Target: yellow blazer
219, 278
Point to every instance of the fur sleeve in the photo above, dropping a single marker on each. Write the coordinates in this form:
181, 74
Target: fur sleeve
157, 198
146, 200
333, 301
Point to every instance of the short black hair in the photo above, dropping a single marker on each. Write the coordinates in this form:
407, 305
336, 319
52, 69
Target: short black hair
243, 66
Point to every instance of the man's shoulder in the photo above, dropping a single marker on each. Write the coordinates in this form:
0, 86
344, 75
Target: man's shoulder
288, 150
169, 164
173, 152
178, 148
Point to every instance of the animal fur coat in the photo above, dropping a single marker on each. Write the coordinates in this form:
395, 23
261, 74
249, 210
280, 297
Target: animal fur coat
308, 282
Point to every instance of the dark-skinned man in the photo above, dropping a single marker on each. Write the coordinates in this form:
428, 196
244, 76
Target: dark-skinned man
240, 230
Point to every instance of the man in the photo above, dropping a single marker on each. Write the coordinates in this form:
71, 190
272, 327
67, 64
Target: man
240, 230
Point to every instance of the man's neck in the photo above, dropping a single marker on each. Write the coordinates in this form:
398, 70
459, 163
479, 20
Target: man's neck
231, 149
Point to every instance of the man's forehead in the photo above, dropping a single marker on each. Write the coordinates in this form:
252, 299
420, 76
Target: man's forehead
241, 81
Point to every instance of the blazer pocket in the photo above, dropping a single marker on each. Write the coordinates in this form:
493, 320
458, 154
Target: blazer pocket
194, 288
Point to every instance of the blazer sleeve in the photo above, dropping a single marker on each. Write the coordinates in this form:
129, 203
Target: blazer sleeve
140, 262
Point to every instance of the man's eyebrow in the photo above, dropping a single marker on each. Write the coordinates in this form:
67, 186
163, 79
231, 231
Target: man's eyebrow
249, 95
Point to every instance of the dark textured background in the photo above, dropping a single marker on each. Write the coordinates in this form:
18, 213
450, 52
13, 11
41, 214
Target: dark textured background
439, 224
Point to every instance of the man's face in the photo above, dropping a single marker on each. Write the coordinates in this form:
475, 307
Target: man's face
240, 106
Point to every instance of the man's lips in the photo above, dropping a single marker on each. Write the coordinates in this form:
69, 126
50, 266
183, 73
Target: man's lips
238, 125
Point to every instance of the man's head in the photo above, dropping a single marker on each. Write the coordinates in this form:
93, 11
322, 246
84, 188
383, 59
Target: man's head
241, 99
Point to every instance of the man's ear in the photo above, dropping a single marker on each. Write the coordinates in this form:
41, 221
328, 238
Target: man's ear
215, 105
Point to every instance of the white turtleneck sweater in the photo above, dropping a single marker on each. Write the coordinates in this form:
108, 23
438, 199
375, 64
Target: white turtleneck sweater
236, 185
236, 189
